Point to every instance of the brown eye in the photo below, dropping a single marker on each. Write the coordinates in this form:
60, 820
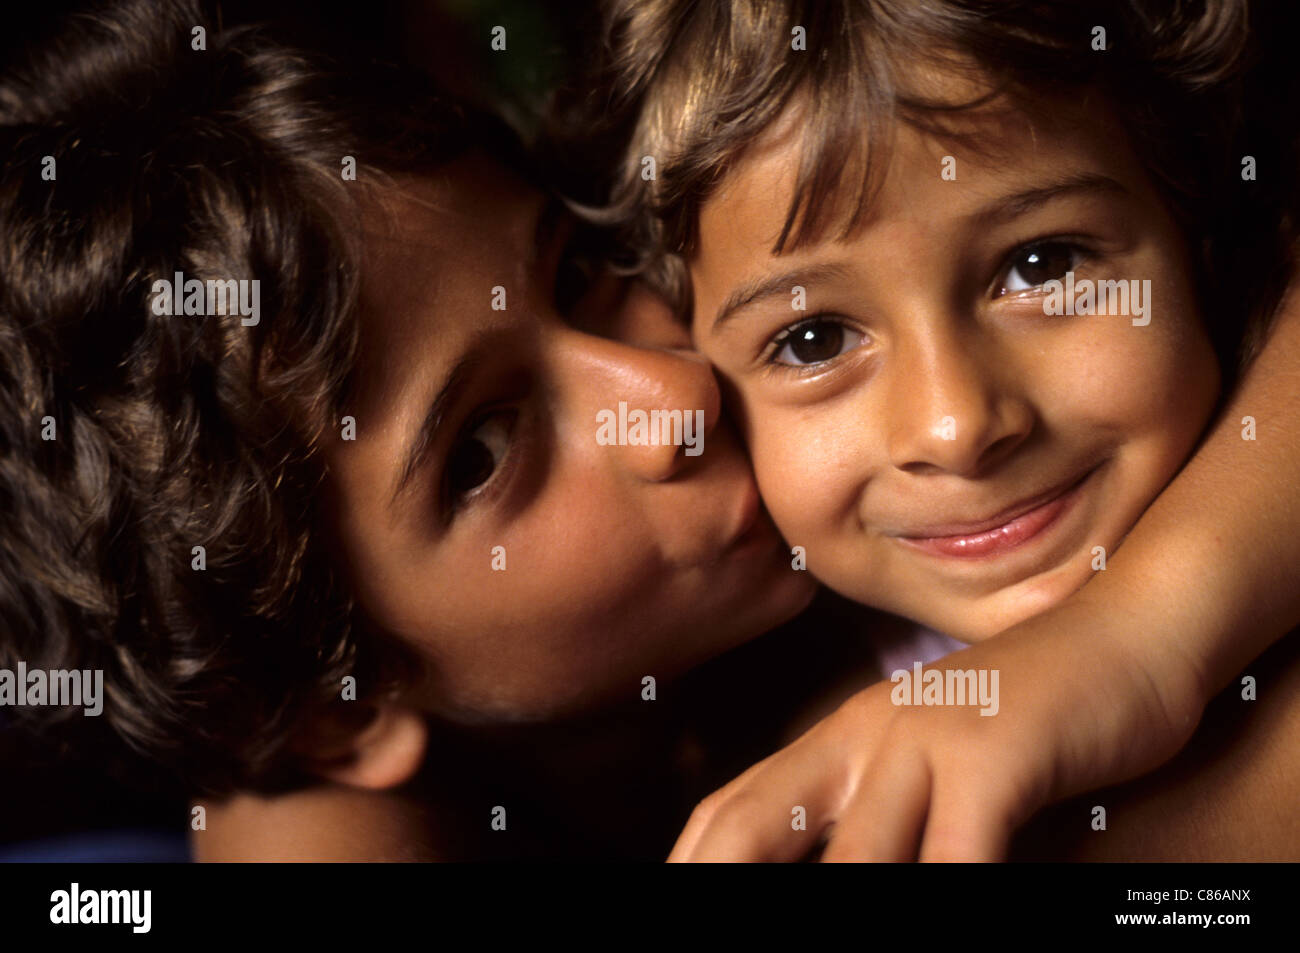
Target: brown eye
476, 457
815, 341
1037, 264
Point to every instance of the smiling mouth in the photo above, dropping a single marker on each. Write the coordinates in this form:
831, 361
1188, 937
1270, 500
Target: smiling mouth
1001, 534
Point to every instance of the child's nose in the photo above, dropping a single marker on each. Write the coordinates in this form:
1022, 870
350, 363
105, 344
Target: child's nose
951, 407
650, 409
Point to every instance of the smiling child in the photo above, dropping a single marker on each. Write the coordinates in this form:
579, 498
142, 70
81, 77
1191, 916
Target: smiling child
869, 212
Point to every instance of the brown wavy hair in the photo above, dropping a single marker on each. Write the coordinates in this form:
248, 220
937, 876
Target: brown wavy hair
180, 431
694, 82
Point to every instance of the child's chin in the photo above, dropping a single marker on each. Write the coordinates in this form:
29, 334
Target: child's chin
974, 620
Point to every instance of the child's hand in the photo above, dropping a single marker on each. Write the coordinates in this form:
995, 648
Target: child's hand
879, 781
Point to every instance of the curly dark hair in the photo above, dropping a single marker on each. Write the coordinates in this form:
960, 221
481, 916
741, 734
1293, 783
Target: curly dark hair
177, 431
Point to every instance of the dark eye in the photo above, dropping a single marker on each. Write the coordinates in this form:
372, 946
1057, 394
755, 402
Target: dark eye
815, 341
1037, 264
478, 454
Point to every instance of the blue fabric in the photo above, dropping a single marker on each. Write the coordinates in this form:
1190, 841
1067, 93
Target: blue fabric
118, 846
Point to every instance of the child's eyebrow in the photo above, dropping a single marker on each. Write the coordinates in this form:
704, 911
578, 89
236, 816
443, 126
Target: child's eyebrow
760, 289
1003, 208
1012, 206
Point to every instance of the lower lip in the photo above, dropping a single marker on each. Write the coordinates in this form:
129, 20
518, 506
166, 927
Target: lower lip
1000, 539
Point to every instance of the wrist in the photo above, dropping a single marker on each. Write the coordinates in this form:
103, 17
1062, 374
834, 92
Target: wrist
1152, 635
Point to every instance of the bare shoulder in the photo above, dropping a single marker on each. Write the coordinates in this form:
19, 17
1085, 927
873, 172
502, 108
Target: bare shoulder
326, 823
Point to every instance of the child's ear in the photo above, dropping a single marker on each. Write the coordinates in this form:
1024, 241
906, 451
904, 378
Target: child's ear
383, 752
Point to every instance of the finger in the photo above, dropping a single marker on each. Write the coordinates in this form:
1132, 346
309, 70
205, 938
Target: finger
886, 816
740, 831
967, 824
776, 811
684, 850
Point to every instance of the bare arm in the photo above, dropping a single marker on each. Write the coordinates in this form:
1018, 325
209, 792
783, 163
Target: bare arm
1211, 573
1230, 795
1207, 579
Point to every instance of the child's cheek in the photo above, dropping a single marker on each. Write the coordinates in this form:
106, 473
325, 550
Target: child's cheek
1154, 381
805, 465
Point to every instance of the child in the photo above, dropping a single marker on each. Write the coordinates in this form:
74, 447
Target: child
294, 536
920, 184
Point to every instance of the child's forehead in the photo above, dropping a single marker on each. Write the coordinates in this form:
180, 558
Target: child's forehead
1001, 141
